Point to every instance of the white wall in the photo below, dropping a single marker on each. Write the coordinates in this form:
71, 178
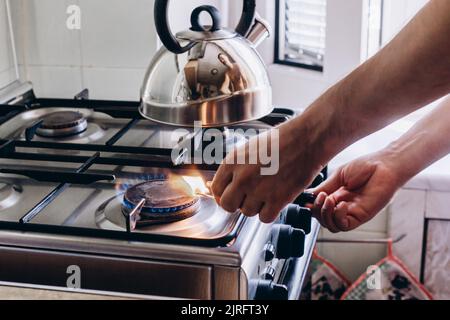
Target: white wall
7, 70
397, 13
108, 55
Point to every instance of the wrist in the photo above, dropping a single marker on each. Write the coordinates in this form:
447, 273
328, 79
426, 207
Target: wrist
309, 140
323, 129
393, 159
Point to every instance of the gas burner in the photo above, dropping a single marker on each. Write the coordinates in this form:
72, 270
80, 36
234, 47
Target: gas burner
9, 195
170, 208
209, 220
62, 124
69, 126
165, 201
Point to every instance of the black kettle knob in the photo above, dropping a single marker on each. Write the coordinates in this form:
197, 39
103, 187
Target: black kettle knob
215, 16
290, 242
268, 290
298, 218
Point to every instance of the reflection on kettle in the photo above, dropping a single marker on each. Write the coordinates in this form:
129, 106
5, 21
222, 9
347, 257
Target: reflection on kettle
234, 79
205, 80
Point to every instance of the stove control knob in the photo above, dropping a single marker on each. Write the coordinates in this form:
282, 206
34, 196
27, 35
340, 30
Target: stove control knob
268, 290
269, 252
290, 242
298, 218
318, 180
269, 273
305, 199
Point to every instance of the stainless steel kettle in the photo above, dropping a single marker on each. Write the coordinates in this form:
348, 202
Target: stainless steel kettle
208, 73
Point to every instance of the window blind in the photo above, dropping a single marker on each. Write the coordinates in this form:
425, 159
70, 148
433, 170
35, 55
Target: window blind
304, 31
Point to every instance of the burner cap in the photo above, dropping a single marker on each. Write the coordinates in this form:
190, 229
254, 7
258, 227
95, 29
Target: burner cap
166, 200
62, 124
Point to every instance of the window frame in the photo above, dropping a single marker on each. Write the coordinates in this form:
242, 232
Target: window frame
297, 87
277, 59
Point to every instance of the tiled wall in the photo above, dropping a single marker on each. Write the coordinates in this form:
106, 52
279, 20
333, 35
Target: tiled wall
108, 55
7, 73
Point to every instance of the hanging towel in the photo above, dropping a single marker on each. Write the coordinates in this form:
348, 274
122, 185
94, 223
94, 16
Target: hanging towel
325, 281
389, 279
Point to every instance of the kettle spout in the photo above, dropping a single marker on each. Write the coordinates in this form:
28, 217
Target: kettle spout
260, 31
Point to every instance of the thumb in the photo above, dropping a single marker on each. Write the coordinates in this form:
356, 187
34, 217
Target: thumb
330, 185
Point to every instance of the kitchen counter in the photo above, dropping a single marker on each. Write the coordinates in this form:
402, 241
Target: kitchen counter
14, 291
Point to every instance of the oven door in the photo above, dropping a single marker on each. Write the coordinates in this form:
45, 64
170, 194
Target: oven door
106, 273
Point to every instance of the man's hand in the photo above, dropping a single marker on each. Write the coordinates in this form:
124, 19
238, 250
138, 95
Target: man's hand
362, 188
387, 87
356, 193
243, 186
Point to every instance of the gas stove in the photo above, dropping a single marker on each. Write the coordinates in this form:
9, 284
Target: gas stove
90, 185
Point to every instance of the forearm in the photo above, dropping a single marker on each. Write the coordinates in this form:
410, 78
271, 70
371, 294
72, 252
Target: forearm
427, 142
413, 70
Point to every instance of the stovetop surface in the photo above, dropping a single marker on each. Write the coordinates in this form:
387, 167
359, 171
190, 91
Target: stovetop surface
74, 185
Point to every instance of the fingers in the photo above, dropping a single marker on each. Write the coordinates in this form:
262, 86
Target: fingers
251, 207
330, 213
221, 181
269, 213
326, 215
331, 185
232, 199
341, 217
318, 204
337, 217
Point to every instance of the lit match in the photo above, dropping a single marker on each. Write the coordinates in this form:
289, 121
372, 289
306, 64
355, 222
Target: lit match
198, 186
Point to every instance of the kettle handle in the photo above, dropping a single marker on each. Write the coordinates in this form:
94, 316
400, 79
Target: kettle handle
171, 43
161, 16
247, 17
